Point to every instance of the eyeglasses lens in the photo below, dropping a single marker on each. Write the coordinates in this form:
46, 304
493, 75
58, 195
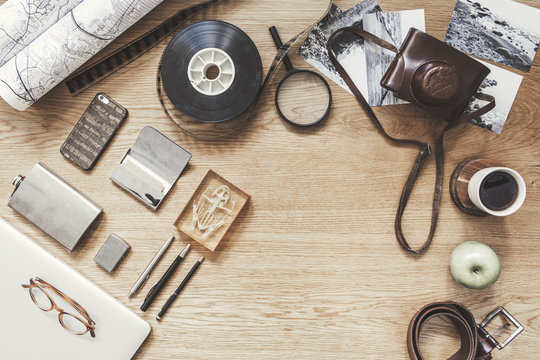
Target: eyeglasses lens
73, 324
40, 299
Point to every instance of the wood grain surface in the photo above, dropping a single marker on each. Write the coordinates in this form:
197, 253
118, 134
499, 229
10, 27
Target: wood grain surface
311, 268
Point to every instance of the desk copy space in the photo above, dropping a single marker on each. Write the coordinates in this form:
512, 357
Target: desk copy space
311, 268
30, 333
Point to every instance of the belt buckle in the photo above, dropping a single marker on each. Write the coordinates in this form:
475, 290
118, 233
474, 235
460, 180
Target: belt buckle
513, 320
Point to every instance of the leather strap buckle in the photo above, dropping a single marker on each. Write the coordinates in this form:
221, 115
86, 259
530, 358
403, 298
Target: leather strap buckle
513, 320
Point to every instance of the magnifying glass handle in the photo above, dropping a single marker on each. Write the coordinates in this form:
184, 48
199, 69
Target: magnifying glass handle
279, 44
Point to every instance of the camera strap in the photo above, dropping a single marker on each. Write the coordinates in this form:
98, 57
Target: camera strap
424, 148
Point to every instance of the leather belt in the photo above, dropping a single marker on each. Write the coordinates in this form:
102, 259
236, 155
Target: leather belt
476, 342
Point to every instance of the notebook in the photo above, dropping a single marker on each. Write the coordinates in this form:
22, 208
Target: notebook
26, 332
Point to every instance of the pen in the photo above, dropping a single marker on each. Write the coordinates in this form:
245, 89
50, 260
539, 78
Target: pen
154, 291
146, 273
179, 288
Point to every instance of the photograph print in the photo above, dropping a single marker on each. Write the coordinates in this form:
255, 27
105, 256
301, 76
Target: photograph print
392, 27
504, 86
313, 50
502, 31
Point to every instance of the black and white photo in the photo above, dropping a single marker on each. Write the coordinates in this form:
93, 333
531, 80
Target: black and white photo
504, 86
502, 31
392, 27
364, 62
313, 50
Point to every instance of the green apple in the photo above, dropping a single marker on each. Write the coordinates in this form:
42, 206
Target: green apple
475, 265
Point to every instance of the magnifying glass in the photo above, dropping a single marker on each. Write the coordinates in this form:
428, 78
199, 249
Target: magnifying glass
303, 97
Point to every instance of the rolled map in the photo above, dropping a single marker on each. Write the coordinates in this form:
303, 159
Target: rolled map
65, 46
21, 21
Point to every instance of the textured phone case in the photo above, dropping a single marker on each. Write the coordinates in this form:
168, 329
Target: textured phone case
93, 132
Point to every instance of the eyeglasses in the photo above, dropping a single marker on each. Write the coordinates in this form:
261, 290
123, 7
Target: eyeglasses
78, 325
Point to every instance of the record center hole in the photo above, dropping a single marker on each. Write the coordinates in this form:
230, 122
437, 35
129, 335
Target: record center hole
212, 72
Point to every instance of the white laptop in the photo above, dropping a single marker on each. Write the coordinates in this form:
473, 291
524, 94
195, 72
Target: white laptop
26, 332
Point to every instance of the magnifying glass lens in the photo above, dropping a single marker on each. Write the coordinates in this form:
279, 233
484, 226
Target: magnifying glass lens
303, 98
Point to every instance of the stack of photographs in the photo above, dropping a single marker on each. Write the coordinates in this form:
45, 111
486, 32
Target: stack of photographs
473, 22
358, 56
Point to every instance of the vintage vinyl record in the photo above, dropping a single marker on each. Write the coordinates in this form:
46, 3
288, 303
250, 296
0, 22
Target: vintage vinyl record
211, 71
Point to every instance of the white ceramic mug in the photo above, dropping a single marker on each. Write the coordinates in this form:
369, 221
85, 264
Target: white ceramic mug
476, 182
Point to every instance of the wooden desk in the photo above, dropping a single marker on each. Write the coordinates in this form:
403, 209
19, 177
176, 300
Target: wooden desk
311, 268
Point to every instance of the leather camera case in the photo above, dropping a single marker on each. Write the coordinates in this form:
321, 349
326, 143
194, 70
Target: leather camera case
434, 75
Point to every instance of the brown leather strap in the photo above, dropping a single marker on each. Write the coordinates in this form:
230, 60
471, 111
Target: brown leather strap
478, 112
476, 343
424, 148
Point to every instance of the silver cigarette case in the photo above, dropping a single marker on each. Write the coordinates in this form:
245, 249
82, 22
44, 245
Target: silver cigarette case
151, 167
54, 206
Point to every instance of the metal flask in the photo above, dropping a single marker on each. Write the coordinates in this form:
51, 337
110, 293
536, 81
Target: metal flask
54, 206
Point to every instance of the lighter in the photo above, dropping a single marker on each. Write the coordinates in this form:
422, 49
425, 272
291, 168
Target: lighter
54, 206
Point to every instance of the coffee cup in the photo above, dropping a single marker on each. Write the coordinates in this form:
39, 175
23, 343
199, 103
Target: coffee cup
497, 190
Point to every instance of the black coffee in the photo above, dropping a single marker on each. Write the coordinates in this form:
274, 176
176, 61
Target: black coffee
498, 190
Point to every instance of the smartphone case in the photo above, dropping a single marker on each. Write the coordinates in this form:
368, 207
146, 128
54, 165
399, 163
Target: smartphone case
94, 131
